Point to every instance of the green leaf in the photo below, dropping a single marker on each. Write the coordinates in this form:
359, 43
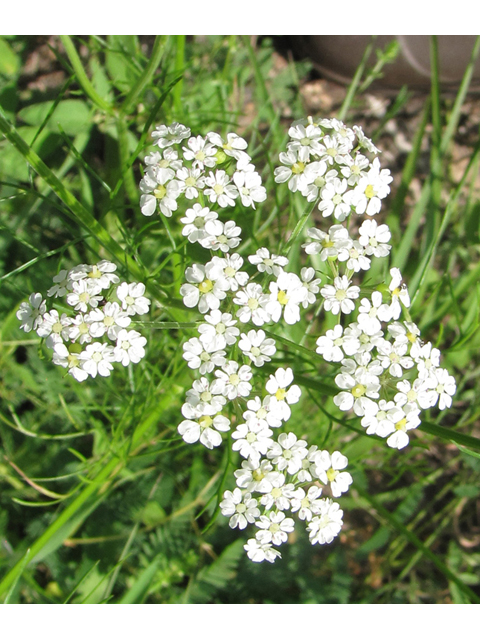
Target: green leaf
72, 115
120, 61
9, 61
138, 591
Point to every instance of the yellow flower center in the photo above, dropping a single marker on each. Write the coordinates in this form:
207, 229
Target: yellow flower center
205, 286
95, 272
332, 474
281, 394
401, 425
359, 390
160, 192
298, 167
370, 191
234, 379
57, 327
282, 297
205, 422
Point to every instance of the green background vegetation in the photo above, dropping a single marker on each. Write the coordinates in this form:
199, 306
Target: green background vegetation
100, 499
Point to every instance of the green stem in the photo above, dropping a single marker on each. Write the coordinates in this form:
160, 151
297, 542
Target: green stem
131, 100
179, 67
82, 76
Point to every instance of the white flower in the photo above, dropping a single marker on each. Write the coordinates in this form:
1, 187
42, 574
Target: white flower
258, 552
84, 295
427, 360
257, 346
219, 189
394, 358
418, 394
407, 420
360, 386
340, 296
201, 289
252, 440
97, 359
288, 453
62, 284
398, 292
286, 296
307, 504
310, 285
323, 528
206, 429
242, 509
220, 236
206, 397
132, 298
259, 412
407, 333
130, 347
110, 319
335, 244
80, 328
268, 263
443, 387
293, 171
371, 189
252, 302
334, 346
203, 355
374, 238
316, 176
227, 269
274, 528
30, 313
334, 148
328, 469
354, 168
157, 187
249, 185
380, 419
283, 395
233, 147
332, 199
371, 313
305, 140
54, 327
168, 159
190, 181
194, 221
279, 494
235, 379
219, 328
102, 274
165, 136
69, 360
256, 476
201, 152
363, 141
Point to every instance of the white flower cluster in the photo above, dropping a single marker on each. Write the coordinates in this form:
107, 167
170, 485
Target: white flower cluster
95, 334
387, 374
209, 168
228, 296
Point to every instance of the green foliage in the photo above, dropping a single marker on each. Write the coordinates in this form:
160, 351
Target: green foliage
101, 500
